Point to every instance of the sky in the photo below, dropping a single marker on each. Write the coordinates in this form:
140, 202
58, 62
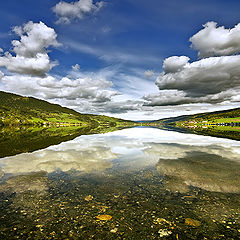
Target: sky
138, 60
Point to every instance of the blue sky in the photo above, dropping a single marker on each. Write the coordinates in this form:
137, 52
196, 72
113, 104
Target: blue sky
117, 41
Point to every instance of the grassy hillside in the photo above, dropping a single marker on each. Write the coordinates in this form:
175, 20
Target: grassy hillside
19, 110
226, 116
213, 118
220, 124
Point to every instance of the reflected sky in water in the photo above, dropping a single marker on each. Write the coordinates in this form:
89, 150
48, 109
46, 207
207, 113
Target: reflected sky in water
186, 160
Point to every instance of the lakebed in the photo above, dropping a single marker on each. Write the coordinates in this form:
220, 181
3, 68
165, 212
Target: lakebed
136, 183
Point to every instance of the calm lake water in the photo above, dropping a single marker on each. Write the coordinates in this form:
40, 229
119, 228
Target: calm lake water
138, 183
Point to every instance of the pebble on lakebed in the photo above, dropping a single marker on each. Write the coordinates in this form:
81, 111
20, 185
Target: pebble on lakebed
192, 222
164, 232
104, 217
89, 198
161, 221
114, 230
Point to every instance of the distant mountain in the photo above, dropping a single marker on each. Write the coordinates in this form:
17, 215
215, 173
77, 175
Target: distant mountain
19, 110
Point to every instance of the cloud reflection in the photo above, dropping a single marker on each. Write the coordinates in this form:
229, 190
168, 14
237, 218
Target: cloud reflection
199, 169
185, 159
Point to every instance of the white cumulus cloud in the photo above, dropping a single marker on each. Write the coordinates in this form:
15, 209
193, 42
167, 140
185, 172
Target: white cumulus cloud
31, 56
34, 39
75, 67
94, 90
1, 75
89, 93
216, 41
166, 98
149, 73
175, 63
75, 10
207, 76
213, 79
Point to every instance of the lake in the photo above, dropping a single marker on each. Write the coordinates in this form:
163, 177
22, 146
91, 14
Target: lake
136, 183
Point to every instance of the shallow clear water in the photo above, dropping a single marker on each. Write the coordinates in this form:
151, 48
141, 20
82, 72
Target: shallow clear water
139, 183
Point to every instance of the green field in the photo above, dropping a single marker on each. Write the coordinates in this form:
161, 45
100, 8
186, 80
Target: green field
225, 120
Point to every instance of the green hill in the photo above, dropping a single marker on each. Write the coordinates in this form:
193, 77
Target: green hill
220, 123
225, 116
18, 110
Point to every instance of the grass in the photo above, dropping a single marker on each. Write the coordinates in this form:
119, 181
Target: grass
225, 128
225, 120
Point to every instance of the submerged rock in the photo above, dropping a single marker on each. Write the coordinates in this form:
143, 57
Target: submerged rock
161, 221
192, 222
104, 217
89, 198
114, 230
